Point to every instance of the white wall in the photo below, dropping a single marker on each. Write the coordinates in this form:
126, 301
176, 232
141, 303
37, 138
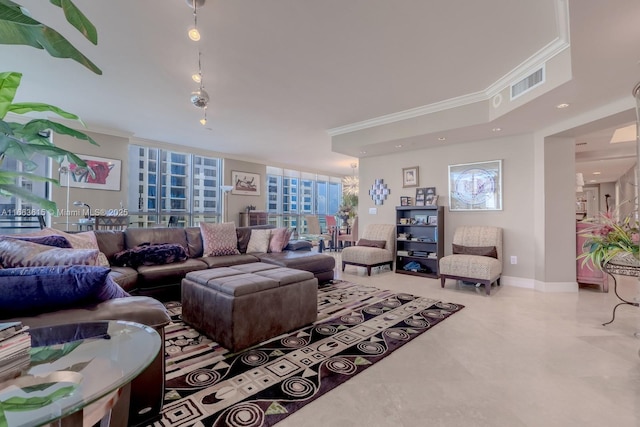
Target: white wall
516, 218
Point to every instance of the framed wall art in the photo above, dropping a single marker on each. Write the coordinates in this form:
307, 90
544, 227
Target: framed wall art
476, 186
245, 183
410, 177
105, 176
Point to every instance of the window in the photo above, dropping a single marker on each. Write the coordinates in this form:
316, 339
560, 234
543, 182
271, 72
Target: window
174, 185
13, 205
293, 194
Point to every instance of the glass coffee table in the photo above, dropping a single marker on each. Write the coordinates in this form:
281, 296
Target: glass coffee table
76, 373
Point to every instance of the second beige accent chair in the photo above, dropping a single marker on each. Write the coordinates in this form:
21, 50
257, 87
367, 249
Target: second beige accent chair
477, 256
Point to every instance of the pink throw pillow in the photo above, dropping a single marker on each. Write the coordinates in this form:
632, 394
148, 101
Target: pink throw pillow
279, 239
219, 239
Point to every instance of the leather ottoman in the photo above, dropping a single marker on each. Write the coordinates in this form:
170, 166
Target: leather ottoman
243, 305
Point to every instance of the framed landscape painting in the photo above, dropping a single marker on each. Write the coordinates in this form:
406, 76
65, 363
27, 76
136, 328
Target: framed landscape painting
245, 183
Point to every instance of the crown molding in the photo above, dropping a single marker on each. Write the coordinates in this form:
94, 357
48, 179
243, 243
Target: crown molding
553, 48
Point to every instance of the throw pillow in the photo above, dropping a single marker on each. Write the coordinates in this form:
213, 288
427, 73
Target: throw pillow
51, 240
279, 239
150, 254
18, 253
372, 243
34, 290
259, 241
219, 239
84, 240
489, 251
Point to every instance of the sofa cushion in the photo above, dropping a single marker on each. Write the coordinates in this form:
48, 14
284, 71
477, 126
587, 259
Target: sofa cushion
227, 260
18, 253
110, 242
32, 290
219, 239
301, 260
137, 236
160, 275
244, 234
194, 242
153, 254
259, 241
489, 251
126, 277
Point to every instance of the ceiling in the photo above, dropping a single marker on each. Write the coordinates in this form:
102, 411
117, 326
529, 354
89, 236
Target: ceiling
316, 84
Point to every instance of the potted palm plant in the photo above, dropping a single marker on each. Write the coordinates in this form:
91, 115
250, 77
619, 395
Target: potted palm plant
22, 141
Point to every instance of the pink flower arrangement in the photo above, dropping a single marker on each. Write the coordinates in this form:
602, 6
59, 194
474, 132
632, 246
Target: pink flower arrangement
609, 238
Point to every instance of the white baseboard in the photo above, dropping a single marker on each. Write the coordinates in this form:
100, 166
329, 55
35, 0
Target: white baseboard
517, 282
520, 282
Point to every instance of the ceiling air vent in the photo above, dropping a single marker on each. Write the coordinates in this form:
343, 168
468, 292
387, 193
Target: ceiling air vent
526, 84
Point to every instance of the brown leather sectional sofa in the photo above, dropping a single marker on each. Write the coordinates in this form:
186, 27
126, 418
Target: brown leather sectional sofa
163, 281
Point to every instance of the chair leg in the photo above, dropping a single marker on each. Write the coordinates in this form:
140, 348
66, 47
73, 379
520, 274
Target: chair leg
442, 279
368, 270
487, 288
343, 264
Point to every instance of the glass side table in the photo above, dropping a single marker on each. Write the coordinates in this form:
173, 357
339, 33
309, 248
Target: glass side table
77, 372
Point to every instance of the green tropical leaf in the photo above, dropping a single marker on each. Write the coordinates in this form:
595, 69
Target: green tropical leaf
34, 127
77, 19
16, 27
9, 83
5, 176
28, 107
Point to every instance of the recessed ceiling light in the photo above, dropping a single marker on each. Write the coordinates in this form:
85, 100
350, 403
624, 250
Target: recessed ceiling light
496, 129
592, 180
442, 138
399, 146
562, 105
597, 173
363, 152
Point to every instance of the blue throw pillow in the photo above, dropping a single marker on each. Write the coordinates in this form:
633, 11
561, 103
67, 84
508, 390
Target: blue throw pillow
27, 291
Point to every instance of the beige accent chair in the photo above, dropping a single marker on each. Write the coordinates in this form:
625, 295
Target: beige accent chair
314, 231
365, 256
470, 265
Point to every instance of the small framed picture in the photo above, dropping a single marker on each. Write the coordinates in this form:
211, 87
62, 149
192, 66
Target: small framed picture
410, 177
419, 202
432, 220
421, 219
404, 201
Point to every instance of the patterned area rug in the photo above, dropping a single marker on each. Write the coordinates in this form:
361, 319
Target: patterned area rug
357, 326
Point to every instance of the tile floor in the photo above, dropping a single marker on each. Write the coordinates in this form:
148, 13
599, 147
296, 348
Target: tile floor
516, 358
